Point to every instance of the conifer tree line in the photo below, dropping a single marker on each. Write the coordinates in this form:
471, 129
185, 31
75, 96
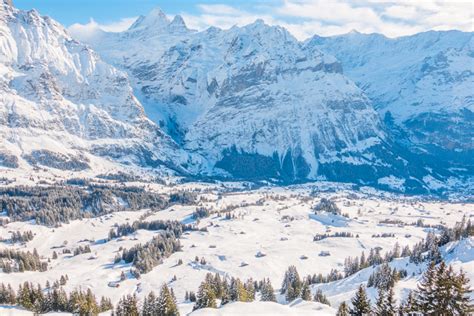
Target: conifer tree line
162, 305
383, 235
294, 287
425, 250
215, 287
58, 204
21, 261
53, 299
319, 237
19, 237
201, 212
442, 291
385, 277
145, 257
126, 229
82, 249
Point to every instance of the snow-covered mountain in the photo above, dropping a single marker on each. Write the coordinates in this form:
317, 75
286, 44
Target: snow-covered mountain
61, 106
422, 85
251, 107
227, 103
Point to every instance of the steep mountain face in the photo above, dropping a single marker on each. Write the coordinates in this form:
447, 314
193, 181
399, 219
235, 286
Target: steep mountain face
151, 51
251, 107
61, 106
422, 85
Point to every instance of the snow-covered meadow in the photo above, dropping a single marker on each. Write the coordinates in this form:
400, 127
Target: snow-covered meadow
271, 228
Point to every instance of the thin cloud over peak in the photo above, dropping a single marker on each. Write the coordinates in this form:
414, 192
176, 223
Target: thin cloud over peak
305, 18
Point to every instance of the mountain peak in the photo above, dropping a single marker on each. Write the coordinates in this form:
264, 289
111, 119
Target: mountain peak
156, 19
178, 25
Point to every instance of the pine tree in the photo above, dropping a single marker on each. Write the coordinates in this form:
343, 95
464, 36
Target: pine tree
217, 284
343, 310
237, 291
225, 298
385, 305
292, 284
267, 292
167, 302
380, 303
149, 304
425, 298
321, 298
205, 297
90, 306
443, 291
127, 306
451, 290
360, 303
461, 290
409, 306
249, 291
105, 304
363, 262
24, 296
390, 303
306, 292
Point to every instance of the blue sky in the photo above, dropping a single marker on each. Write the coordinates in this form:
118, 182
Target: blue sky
303, 18
108, 11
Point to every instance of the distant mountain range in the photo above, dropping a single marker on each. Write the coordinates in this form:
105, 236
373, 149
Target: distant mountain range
250, 102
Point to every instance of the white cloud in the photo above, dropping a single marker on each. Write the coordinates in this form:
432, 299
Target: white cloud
222, 16
305, 18
118, 26
87, 31
401, 12
219, 9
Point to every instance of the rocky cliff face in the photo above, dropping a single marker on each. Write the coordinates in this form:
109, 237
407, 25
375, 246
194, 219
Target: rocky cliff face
61, 105
421, 85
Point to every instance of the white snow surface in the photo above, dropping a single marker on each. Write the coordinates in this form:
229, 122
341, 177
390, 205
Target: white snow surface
277, 221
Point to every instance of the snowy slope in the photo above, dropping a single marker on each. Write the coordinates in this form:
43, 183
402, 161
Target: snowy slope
280, 225
61, 106
297, 308
422, 84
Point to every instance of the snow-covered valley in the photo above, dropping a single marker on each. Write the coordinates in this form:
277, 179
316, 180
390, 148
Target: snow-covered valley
249, 233
234, 171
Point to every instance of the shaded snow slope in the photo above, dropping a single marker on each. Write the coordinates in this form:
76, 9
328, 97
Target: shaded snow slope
422, 85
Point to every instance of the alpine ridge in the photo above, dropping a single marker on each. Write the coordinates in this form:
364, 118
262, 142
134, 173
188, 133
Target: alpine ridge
234, 104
